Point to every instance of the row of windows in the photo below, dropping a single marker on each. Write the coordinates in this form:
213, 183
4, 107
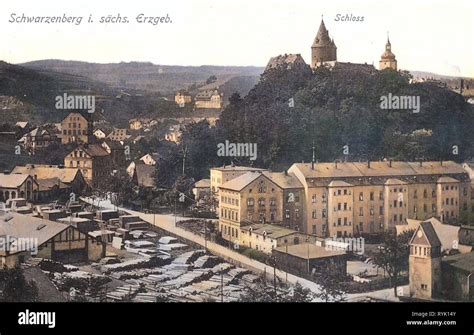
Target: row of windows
229, 214
74, 132
230, 201
341, 222
261, 202
74, 125
231, 231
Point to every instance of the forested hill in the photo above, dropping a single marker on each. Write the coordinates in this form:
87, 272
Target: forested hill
341, 107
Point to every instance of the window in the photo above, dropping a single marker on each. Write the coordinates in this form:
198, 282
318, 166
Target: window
339, 206
338, 192
287, 213
324, 213
425, 193
372, 210
381, 195
394, 203
361, 211
261, 202
424, 286
313, 215
415, 194
395, 218
371, 196
314, 229
313, 198
339, 221
381, 210
262, 188
250, 202
361, 196
345, 221
272, 202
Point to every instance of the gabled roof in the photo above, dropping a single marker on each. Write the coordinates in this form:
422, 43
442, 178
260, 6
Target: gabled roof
93, 150
427, 236
144, 175
239, 183
27, 226
13, 180
66, 175
283, 180
203, 183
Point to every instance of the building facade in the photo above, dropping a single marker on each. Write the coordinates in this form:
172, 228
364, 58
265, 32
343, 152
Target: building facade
388, 60
76, 128
93, 161
323, 50
348, 199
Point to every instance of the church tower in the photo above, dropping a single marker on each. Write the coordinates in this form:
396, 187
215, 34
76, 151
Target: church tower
323, 49
387, 60
425, 262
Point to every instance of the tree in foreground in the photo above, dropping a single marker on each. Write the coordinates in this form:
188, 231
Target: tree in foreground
392, 255
15, 288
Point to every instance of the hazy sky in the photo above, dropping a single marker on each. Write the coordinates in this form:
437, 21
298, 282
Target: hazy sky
435, 36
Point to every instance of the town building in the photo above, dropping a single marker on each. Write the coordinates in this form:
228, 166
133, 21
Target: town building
99, 134
436, 274
38, 138
144, 175
46, 239
76, 128
119, 135
54, 180
182, 98
202, 188
305, 259
92, 160
266, 237
116, 151
174, 134
209, 99
356, 198
18, 185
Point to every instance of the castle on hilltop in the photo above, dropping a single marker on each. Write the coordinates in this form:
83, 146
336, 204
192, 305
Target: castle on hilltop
324, 53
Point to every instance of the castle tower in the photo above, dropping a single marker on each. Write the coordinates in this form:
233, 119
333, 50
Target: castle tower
425, 262
387, 60
323, 49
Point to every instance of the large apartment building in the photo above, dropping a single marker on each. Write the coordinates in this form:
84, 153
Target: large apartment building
341, 199
347, 199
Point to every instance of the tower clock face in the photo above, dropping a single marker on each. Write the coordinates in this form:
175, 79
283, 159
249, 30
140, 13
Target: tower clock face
420, 233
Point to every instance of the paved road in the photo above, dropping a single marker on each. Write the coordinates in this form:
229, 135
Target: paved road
167, 222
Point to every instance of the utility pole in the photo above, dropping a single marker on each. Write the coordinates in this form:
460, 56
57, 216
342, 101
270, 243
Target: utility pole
185, 151
205, 235
222, 285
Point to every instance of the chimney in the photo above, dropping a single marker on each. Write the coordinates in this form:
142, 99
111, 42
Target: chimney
390, 163
286, 172
421, 163
335, 164
312, 165
368, 164
441, 163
